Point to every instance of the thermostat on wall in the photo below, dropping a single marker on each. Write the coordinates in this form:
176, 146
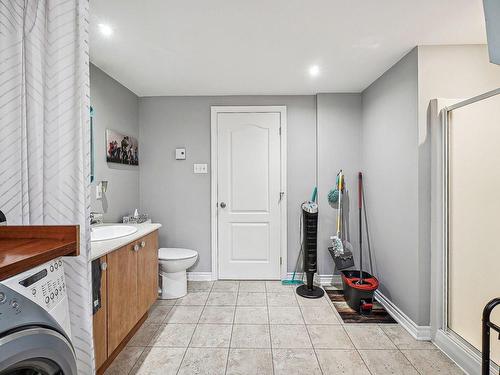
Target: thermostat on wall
180, 154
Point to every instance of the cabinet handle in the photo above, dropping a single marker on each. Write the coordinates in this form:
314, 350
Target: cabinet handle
136, 247
143, 244
104, 266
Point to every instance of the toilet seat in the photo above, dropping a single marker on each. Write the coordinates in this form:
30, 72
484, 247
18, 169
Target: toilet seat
175, 253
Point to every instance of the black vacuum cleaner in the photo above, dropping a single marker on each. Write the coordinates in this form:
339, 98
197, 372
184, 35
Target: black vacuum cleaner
310, 250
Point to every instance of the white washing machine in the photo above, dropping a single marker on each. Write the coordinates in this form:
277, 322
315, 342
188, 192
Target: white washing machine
35, 333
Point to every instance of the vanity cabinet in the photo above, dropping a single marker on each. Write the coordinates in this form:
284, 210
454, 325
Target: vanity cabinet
130, 286
122, 294
147, 260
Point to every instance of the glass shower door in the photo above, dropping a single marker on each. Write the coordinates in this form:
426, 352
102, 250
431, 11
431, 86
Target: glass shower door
473, 218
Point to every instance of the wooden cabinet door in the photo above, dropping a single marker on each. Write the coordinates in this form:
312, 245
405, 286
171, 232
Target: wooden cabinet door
122, 294
101, 322
147, 272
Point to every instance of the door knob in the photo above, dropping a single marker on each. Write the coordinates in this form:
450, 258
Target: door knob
222, 205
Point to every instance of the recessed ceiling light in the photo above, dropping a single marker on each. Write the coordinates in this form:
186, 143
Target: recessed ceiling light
314, 70
105, 29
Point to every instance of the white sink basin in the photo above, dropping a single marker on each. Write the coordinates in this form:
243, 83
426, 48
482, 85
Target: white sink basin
109, 232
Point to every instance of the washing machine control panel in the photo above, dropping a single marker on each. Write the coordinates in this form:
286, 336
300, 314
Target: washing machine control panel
44, 284
10, 306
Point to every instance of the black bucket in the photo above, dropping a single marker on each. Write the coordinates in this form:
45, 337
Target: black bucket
359, 297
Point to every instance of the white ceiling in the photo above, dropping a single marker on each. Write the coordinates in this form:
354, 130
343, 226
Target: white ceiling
226, 47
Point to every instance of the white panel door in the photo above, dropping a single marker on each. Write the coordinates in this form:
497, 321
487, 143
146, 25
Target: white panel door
248, 195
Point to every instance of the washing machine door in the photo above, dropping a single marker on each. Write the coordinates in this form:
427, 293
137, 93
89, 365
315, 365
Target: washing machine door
36, 351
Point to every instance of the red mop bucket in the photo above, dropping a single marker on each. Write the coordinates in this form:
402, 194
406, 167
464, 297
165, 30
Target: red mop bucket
359, 296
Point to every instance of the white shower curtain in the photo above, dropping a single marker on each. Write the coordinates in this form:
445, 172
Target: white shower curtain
44, 134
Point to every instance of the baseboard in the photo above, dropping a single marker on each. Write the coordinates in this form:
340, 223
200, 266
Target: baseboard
199, 276
323, 280
418, 332
464, 355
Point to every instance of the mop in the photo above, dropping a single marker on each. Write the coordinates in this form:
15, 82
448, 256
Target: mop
333, 194
337, 245
342, 255
359, 286
360, 206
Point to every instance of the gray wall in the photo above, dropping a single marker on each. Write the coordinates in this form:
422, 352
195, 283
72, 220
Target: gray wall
117, 108
396, 160
179, 199
339, 135
390, 164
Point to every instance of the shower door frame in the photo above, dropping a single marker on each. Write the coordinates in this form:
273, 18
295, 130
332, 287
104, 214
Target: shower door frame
452, 344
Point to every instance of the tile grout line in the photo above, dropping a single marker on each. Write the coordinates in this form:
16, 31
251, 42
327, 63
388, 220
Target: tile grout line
356, 349
196, 326
143, 347
135, 362
309, 335
343, 325
269, 329
410, 362
232, 327
397, 348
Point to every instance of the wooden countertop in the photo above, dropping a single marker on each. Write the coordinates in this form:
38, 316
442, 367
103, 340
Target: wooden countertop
26, 246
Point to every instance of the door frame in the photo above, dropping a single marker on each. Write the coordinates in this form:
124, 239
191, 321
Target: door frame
214, 150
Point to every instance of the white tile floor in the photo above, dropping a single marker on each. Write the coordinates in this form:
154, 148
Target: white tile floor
257, 327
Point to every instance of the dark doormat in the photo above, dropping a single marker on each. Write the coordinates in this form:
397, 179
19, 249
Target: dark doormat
348, 315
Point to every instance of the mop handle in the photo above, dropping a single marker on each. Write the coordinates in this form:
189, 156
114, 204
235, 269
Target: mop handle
360, 190
360, 199
340, 203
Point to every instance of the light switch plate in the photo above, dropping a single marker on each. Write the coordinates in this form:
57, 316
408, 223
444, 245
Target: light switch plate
98, 191
180, 154
200, 168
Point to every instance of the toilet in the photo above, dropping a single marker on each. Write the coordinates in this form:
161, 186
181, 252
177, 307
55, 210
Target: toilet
173, 265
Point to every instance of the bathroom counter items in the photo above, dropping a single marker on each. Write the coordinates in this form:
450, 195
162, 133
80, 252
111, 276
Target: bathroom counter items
23, 247
100, 248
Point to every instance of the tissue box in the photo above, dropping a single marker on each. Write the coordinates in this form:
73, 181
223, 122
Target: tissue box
142, 218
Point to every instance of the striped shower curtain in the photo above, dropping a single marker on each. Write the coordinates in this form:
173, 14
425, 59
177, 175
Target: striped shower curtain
44, 134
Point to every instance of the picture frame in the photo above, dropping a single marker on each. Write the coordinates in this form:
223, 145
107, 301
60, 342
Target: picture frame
121, 148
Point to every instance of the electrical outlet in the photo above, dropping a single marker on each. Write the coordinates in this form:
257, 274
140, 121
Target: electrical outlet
200, 168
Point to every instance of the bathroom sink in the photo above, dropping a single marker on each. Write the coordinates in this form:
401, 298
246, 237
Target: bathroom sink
109, 232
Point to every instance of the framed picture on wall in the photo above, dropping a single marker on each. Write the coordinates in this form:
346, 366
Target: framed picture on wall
121, 148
